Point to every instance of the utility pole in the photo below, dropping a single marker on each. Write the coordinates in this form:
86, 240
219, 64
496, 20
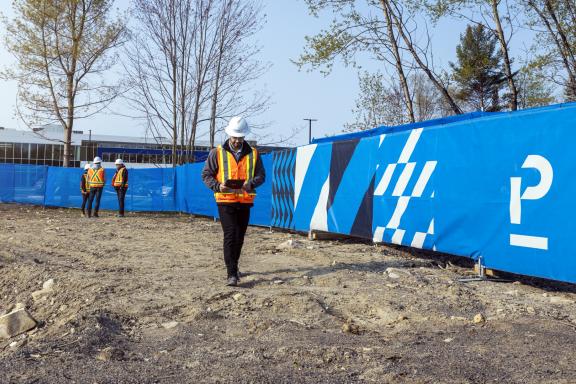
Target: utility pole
89, 149
310, 129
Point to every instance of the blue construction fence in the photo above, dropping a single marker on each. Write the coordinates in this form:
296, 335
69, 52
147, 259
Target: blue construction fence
496, 186
177, 189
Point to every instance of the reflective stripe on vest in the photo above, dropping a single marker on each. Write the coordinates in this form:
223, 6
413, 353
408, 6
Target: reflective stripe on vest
119, 178
230, 169
96, 178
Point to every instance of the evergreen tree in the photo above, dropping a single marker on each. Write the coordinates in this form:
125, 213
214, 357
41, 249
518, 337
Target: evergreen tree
478, 73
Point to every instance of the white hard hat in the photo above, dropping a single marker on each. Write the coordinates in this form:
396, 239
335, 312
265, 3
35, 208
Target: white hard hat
119, 162
97, 160
87, 166
237, 127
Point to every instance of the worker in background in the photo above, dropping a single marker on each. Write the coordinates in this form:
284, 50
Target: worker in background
233, 171
84, 188
120, 184
96, 179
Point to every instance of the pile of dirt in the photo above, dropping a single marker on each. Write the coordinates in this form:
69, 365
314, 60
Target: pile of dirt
143, 300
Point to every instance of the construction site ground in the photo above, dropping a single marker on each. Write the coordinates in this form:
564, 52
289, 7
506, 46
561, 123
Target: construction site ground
142, 299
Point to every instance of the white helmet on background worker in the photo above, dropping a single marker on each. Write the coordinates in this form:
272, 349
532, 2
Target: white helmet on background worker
237, 127
87, 166
119, 162
97, 160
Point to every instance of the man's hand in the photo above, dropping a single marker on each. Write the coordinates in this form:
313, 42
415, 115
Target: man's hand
246, 187
225, 189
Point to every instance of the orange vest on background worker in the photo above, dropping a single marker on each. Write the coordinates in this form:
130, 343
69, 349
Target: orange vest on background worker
229, 169
119, 178
84, 185
96, 178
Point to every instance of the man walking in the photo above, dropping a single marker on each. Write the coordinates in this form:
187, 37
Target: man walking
233, 171
120, 184
96, 179
84, 188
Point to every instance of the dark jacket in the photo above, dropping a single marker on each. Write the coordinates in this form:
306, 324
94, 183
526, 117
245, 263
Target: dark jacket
211, 168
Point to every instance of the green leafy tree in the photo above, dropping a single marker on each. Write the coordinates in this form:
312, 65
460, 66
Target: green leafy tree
380, 101
532, 90
63, 48
478, 72
384, 30
377, 104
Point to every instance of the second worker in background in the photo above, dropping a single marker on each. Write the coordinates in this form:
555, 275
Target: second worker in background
120, 184
85, 188
96, 180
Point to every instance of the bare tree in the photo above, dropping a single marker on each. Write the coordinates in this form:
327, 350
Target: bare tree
62, 50
191, 63
236, 67
159, 68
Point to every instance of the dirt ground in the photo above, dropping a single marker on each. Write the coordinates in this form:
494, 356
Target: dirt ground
142, 300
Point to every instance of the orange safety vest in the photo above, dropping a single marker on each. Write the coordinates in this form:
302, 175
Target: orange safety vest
229, 169
96, 178
119, 178
84, 181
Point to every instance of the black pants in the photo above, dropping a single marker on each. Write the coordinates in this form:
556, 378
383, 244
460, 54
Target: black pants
121, 193
94, 193
84, 201
234, 219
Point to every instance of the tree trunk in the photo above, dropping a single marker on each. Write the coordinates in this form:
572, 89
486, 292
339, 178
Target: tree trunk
192, 141
398, 62
505, 53
69, 121
214, 108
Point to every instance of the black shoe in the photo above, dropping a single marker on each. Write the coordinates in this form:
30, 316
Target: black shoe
232, 281
96, 215
238, 276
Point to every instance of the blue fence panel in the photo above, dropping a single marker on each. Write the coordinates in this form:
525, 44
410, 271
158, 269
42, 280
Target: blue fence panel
29, 183
145, 190
507, 188
168, 193
63, 187
149, 189
192, 196
261, 211
311, 187
7, 184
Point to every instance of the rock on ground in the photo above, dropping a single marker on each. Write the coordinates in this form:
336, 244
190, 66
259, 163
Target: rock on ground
15, 323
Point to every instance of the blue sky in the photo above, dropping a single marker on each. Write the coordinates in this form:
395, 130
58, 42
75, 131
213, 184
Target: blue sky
295, 94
